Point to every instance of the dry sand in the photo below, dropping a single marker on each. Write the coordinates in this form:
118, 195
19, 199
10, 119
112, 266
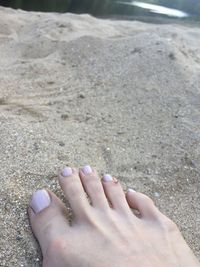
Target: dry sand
121, 96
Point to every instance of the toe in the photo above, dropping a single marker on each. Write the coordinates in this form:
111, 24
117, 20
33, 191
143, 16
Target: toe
115, 194
93, 187
71, 185
47, 216
143, 204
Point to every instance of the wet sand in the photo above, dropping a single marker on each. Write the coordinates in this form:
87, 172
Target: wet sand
121, 96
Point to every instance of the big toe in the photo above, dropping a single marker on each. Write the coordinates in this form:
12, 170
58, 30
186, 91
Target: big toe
47, 216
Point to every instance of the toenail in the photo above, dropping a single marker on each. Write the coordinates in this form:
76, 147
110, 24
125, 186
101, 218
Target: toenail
87, 169
40, 200
107, 178
67, 171
131, 190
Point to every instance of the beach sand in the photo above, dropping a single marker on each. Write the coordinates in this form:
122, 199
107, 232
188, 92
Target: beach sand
122, 96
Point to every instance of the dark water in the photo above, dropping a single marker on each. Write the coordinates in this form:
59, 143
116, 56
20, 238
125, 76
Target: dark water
179, 9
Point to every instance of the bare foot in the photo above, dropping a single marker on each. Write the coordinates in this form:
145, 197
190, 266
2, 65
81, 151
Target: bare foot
105, 233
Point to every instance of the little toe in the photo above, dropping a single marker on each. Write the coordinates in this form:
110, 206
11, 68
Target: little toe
74, 192
143, 204
115, 194
47, 216
93, 187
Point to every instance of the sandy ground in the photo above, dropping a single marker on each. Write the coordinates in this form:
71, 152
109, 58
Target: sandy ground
121, 96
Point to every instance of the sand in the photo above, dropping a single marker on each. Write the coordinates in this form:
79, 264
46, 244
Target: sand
121, 96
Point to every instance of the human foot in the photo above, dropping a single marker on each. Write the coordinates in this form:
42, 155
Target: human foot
106, 232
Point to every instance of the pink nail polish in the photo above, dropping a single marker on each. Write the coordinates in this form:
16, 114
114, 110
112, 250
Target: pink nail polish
107, 178
67, 171
131, 190
40, 200
87, 169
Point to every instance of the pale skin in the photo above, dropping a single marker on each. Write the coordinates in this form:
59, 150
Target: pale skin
105, 231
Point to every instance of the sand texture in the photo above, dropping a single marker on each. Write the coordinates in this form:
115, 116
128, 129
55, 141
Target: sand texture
121, 96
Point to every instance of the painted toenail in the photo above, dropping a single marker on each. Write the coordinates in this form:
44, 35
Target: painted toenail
87, 169
67, 171
40, 200
107, 178
131, 190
